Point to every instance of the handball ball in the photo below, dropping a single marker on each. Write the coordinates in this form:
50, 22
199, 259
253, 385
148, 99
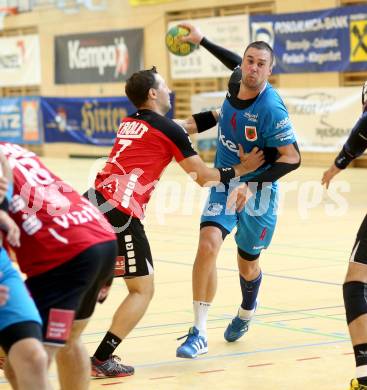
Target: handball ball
173, 43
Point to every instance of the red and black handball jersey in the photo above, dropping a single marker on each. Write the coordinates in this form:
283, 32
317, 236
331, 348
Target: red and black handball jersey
56, 222
145, 144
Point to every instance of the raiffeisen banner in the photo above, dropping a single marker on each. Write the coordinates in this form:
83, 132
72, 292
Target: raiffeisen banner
332, 40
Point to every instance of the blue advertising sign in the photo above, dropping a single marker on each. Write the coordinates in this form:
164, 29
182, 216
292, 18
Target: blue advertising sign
331, 40
20, 120
92, 121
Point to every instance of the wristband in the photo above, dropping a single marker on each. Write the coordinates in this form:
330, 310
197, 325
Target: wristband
226, 174
204, 120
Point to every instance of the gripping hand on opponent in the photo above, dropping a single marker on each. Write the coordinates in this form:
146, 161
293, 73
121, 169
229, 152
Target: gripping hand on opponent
253, 160
10, 227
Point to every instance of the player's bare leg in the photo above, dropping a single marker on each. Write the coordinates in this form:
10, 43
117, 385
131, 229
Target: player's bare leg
204, 274
132, 309
26, 366
204, 286
126, 317
73, 362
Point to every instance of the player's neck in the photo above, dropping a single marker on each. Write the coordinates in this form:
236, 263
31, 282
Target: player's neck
152, 107
246, 93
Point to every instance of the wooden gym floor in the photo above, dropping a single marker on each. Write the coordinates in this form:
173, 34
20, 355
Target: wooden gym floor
298, 339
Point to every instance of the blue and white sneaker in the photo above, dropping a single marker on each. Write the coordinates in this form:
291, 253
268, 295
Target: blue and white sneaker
193, 346
236, 329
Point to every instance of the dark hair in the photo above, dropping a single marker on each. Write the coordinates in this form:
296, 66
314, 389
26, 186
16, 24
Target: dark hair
262, 45
138, 85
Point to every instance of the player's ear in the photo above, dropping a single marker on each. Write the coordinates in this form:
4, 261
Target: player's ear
152, 94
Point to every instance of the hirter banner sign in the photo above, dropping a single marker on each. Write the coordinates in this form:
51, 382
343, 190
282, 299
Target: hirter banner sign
103, 57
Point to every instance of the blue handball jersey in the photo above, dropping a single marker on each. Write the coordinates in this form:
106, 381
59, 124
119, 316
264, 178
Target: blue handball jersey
264, 123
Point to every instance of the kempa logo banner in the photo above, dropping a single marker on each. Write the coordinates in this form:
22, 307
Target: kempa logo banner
106, 57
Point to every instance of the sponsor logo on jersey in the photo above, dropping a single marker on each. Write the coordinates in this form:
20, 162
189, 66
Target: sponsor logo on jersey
286, 135
132, 129
250, 133
227, 143
282, 123
251, 117
213, 209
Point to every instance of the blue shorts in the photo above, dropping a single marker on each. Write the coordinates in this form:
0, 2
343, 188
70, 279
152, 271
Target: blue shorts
255, 224
20, 306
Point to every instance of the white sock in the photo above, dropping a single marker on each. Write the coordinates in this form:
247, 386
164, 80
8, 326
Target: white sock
245, 314
201, 315
361, 371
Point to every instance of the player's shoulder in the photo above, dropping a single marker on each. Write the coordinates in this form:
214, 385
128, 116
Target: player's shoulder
271, 99
158, 121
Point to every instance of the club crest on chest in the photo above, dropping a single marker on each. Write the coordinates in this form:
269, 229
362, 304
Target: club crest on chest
250, 133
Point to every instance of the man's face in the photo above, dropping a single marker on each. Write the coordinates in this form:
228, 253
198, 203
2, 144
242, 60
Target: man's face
162, 90
256, 68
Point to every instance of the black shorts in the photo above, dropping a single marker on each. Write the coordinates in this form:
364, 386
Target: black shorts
134, 255
19, 331
359, 252
70, 291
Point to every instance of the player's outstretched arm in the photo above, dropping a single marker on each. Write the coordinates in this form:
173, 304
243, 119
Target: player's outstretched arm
354, 146
197, 123
288, 160
228, 58
207, 177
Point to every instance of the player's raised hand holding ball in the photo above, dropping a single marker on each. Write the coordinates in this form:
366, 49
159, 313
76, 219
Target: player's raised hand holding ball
183, 39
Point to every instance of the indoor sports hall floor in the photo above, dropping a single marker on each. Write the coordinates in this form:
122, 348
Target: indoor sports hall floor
298, 339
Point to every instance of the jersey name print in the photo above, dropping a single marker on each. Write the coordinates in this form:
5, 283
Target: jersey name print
146, 143
55, 221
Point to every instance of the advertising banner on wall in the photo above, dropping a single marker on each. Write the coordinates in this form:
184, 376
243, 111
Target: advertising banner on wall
102, 57
322, 117
20, 120
331, 40
93, 121
231, 32
20, 61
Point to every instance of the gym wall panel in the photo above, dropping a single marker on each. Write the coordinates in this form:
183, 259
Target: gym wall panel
119, 15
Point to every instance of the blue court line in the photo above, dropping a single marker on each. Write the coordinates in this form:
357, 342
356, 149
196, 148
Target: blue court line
240, 354
264, 273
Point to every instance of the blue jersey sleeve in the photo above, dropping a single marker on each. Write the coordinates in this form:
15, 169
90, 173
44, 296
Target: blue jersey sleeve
279, 129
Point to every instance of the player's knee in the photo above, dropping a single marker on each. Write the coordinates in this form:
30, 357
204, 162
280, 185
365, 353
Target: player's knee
355, 300
208, 248
28, 356
144, 288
